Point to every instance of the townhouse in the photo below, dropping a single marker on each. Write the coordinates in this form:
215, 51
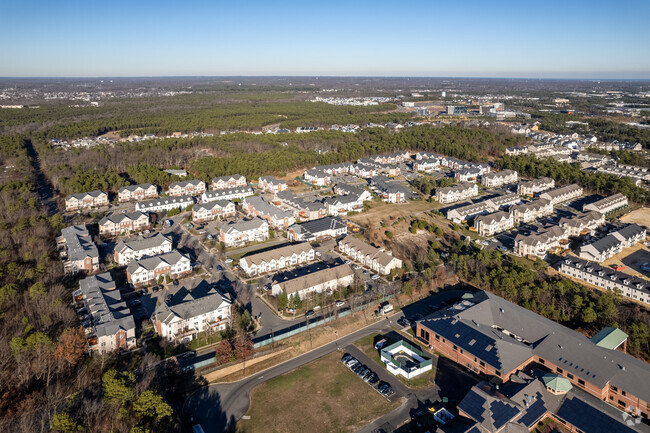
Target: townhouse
496, 222
391, 158
427, 155
346, 189
377, 259
314, 279
342, 204
204, 308
78, 251
540, 243
86, 200
452, 194
239, 192
638, 174
124, 223
527, 212
212, 210
606, 278
317, 177
137, 192
607, 205
517, 150
498, 339
153, 269
426, 165
228, 182
187, 187
499, 178
306, 210
277, 259
109, 325
612, 244
583, 224
335, 169
470, 174
532, 187
390, 191
363, 171
164, 204
238, 233
278, 218
128, 251
469, 211
504, 201
562, 194
271, 184
317, 229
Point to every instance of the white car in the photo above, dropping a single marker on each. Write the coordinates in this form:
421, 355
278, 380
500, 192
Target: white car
228, 260
340, 303
318, 254
375, 277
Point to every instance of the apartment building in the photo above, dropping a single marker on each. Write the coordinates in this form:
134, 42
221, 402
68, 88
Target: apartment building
124, 223
305, 210
607, 205
86, 200
499, 178
317, 177
277, 259
204, 308
187, 188
137, 192
202, 212
239, 192
128, 251
317, 229
276, 217
377, 259
164, 204
583, 224
335, 169
151, 270
504, 201
427, 155
470, 211
271, 184
228, 182
496, 222
612, 244
540, 243
238, 233
563, 193
390, 191
452, 194
78, 251
363, 171
391, 158
342, 204
532, 187
527, 212
314, 279
470, 174
426, 165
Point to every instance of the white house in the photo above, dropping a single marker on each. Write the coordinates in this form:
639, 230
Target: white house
277, 258
496, 179
212, 210
317, 281
128, 251
86, 200
137, 192
271, 184
607, 204
562, 194
276, 217
375, 258
238, 233
527, 212
456, 193
491, 224
164, 204
224, 182
187, 187
150, 270
316, 177
532, 187
123, 223
239, 192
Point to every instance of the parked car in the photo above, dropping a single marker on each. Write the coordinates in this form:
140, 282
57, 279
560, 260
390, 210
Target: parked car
202, 232
210, 237
318, 254
219, 268
375, 277
228, 260
309, 313
381, 343
340, 303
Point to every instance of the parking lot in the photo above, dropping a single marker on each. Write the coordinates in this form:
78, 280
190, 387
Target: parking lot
397, 388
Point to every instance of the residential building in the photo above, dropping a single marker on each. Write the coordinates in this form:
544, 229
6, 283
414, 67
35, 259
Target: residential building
187, 188
164, 204
504, 201
271, 184
562, 194
491, 224
606, 278
607, 205
317, 229
584, 224
363, 171
78, 251
110, 325
469, 211
175, 172
152, 269
277, 258
278, 218
638, 174
305, 210
467, 174
391, 158
239, 192
452, 194
540, 243
427, 155
86, 200
496, 338
204, 308
137, 192
346, 189
390, 191
532, 187
342, 204
335, 169
124, 223
228, 182
527, 212
212, 210
426, 165
612, 244
238, 233
377, 259
317, 177
128, 251
314, 279
499, 178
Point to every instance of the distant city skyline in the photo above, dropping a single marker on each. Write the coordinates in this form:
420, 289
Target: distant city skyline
579, 39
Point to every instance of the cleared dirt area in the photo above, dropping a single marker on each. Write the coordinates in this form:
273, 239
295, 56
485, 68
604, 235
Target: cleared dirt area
338, 401
639, 216
381, 211
633, 259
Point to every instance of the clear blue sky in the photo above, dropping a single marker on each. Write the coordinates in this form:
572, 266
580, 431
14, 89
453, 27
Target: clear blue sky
547, 39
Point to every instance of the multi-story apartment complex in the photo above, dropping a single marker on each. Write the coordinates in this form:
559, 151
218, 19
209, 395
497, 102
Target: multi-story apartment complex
390, 191
187, 188
128, 251
239, 192
491, 224
612, 244
470, 211
78, 251
238, 233
583, 224
562, 194
271, 184
470, 174
532, 187
317, 229
277, 258
317, 177
314, 279
538, 244
152, 269
305, 210
608, 204
227, 182
212, 210
276, 217
499, 178
342, 204
86, 200
426, 165
137, 192
377, 259
452, 194
527, 212
124, 223
161, 204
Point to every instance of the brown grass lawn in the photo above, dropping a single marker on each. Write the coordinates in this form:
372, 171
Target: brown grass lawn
381, 211
640, 216
323, 396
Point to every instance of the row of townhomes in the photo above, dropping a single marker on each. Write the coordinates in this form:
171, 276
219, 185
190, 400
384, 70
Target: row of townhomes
271, 184
276, 217
123, 224
390, 191
376, 259
491, 224
137, 192
302, 209
510, 344
238, 192
314, 279
613, 243
202, 212
187, 188
607, 205
605, 278
563, 194
239, 233
537, 244
467, 212
455, 193
535, 186
584, 224
78, 251
277, 258
527, 212
227, 182
343, 204
129, 251
499, 178
86, 200
164, 204
152, 269
328, 227
107, 320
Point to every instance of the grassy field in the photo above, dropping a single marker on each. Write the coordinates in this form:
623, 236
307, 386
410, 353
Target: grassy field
338, 401
423, 381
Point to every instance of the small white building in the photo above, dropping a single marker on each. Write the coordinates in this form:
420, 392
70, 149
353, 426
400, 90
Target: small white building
404, 359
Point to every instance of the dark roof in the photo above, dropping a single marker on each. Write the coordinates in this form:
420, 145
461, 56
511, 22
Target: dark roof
320, 225
590, 419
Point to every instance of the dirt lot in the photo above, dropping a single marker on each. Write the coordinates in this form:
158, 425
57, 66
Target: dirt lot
640, 216
338, 401
381, 211
632, 258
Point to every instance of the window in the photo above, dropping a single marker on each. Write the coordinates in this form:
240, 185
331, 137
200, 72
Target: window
541, 361
559, 370
482, 364
613, 388
569, 375
437, 337
624, 393
455, 347
498, 373
621, 403
581, 382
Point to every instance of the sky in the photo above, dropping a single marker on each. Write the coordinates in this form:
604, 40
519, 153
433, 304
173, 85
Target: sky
428, 38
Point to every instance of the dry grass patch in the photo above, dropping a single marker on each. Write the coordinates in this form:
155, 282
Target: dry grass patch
639, 216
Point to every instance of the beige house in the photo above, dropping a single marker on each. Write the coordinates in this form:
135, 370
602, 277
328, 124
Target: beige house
86, 200
277, 258
137, 192
317, 281
124, 223
212, 210
376, 259
491, 224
